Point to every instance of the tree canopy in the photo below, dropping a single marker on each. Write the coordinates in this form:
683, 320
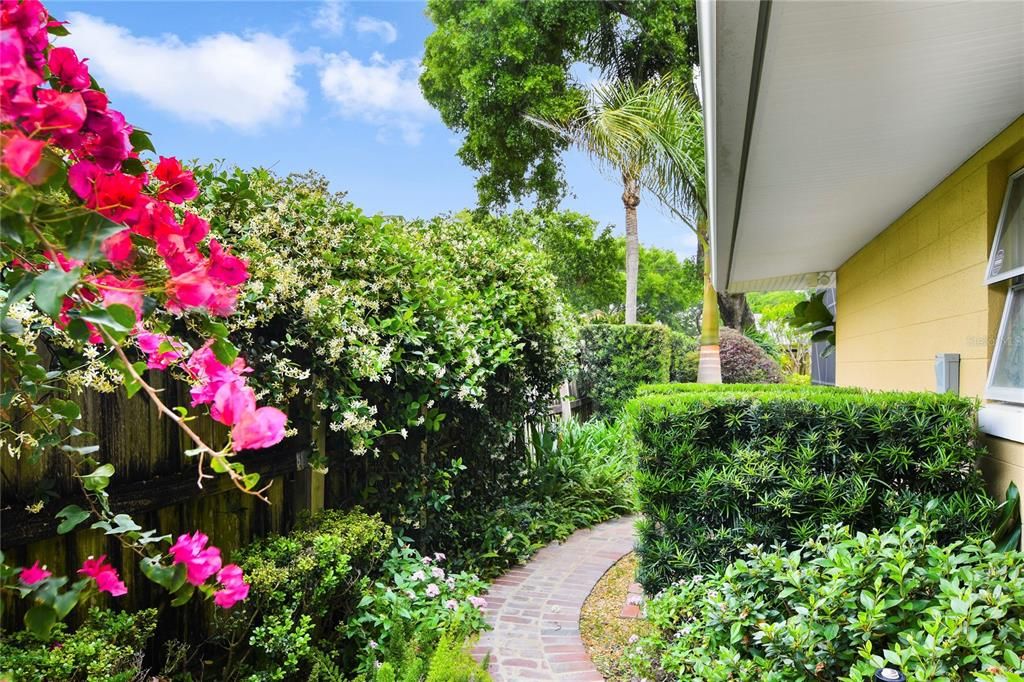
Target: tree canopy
489, 64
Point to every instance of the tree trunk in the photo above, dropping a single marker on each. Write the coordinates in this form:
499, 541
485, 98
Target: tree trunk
630, 200
709, 368
736, 312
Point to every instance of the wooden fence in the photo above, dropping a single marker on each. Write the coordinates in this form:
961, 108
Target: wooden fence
155, 482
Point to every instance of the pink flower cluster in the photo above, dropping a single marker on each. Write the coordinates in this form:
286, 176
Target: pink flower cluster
202, 562
76, 120
105, 575
232, 402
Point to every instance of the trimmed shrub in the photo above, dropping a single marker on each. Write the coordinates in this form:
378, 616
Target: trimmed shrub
719, 469
616, 358
302, 586
683, 368
745, 362
841, 606
740, 389
108, 646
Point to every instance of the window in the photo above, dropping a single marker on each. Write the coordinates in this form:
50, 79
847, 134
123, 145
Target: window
1007, 259
1006, 375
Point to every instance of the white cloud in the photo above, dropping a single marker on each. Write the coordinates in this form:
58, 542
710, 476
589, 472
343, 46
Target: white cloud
330, 17
245, 82
383, 92
384, 29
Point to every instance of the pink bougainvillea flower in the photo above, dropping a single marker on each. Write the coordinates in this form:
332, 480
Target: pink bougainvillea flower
66, 264
105, 575
177, 184
260, 428
127, 291
17, 80
194, 229
68, 68
230, 270
210, 374
152, 218
107, 138
57, 112
30, 19
234, 589
150, 344
20, 154
118, 248
190, 289
82, 179
232, 400
33, 574
116, 194
200, 561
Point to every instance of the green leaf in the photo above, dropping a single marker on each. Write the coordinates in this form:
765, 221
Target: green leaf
72, 515
183, 595
122, 523
169, 577
133, 166
40, 619
122, 314
225, 351
141, 142
85, 234
50, 288
99, 479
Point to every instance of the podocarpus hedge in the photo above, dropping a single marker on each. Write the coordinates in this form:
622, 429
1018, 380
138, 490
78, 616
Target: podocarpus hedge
719, 469
616, 358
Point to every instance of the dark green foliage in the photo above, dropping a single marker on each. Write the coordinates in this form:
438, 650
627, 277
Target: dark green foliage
579, 475
814, 317
741, 389
302, 586
1007, 521
450, 662
108, 647
718, 469
745, 362
841, 606
616, 358
683, 369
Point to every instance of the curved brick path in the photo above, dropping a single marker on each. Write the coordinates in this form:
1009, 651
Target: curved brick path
535, 609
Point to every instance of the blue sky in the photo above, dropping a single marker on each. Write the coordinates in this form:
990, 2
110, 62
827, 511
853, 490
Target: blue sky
322, 85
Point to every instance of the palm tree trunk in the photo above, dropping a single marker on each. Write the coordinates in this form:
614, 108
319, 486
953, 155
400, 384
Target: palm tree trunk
709, 368
630, 200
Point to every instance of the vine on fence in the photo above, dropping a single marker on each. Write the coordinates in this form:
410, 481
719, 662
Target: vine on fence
99, 257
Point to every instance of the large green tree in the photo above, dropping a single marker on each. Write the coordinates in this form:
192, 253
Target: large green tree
490, 63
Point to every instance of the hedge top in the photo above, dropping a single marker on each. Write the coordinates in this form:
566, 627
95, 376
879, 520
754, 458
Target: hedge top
674, 388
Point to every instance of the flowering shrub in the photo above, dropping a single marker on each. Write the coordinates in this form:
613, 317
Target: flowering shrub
743, 361
417, 599
388, 327
100, 254
842, 605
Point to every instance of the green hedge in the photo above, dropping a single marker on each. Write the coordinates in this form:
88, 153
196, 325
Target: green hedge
616, 358
721, 468
720, 389
682, 368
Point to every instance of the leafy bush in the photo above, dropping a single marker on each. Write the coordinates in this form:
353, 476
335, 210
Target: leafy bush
302, 587
404, 613
107, 647
742, 389
580, 475
616, 358
719, 468
423, 345
841, 606
450, 662
744, 361
683, 368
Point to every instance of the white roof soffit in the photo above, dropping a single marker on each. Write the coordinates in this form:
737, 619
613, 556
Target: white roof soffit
827, 120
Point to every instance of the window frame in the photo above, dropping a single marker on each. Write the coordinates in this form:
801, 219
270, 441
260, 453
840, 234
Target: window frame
1000, 228
1003, 393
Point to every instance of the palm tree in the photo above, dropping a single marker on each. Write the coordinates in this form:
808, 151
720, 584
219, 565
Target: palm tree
605, 126
653, 135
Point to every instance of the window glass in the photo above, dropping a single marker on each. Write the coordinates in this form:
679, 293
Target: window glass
1006, 379
1007, 257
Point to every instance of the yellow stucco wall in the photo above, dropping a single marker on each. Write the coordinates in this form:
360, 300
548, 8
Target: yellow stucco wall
918, 289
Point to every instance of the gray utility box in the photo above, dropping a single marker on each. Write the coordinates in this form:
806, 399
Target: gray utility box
947, 373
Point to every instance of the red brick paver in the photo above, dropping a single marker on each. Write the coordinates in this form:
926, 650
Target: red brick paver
535, 609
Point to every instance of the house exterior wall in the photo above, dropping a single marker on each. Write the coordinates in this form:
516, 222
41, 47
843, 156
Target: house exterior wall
917, 289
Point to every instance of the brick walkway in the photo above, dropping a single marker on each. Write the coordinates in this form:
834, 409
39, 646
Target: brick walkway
535, 609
